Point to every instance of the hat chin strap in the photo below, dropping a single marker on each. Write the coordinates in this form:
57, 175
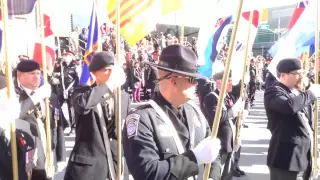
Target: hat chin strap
165, 77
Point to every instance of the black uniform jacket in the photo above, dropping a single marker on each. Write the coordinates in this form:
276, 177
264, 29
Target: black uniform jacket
88, 159
150, 149
289, 147
25, 149
225, 132
29, 113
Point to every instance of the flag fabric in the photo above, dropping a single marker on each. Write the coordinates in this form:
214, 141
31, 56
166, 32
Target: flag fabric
209, 44
241, 39
91, 46
20, 7
1, 33
49, 42
297, 13
300, 33
139, 17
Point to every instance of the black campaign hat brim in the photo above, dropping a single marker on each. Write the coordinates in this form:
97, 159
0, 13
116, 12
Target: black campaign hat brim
195, 75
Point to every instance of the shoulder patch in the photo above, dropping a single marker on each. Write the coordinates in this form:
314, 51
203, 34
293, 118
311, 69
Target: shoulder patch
132, 122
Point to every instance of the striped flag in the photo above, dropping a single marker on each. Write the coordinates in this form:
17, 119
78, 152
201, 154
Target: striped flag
297, 13
139, 17
91, 46
49, 42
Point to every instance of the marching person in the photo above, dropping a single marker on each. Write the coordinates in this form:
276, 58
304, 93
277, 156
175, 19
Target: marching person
32, 96
69, 79
226, 132
290, 118
252, 82
25, 138
166, 138
94, 155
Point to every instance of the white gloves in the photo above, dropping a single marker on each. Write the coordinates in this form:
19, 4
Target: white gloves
117, 77
43, 92
207, 150
315, 89
237, 107
237, 146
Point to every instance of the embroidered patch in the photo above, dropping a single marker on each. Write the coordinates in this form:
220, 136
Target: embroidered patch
132, 122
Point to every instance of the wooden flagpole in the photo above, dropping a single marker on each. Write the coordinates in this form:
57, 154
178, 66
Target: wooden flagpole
49, 168
10, 92
240, 115
217, 117
316, 114
118, 111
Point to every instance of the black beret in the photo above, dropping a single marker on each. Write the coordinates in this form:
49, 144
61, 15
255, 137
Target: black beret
3, 82
288, 65
28, 66
219, 75
101, 60
179, 59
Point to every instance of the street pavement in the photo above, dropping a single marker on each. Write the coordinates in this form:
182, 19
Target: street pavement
255, 143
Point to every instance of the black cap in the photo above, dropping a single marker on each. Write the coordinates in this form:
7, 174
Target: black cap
179, 59
28, 66
101, 60
219, 75
288, 65
3, 82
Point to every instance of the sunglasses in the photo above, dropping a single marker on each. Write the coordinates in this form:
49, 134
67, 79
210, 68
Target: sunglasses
191, 80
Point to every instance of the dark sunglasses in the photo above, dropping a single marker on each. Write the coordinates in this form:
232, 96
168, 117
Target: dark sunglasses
191, 80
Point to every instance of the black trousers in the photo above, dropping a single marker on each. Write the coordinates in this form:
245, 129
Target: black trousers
252, 91
279, 174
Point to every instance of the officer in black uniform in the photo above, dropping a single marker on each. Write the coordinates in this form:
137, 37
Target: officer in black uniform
227, 127
69, 79
166, 139
252, 82
94, 155
25, 138
31, 96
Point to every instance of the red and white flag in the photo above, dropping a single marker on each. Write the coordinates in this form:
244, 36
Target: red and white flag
240, 45
49, 42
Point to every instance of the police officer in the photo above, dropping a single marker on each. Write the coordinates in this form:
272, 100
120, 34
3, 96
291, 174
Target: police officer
94, 155
227, 126
31, 97
166, 139
69, 79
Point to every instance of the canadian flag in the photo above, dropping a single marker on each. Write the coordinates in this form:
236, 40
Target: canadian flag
49, 43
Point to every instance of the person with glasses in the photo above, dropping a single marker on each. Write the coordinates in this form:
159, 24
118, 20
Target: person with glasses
166, 137
289, 109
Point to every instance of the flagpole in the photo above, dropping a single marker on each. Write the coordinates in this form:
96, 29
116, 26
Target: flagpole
217, 117
119, 121
182, 26
316, 115
240, 114
10, 92
49, 169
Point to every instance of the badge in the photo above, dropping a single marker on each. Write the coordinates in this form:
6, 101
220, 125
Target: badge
132, 122
165, 130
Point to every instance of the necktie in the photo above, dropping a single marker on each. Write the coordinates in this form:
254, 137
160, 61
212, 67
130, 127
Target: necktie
32, 93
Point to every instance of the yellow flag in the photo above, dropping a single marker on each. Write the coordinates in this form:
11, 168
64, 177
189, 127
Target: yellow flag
170, 5
139, 17
264, 15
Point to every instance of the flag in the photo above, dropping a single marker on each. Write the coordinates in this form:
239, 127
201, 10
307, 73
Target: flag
297, 12
139, 17
91, 46
20, 7
238, 54
209, 44
300, 33
49, 42
264, 15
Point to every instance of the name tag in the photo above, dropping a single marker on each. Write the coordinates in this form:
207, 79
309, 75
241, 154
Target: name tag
165, 130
